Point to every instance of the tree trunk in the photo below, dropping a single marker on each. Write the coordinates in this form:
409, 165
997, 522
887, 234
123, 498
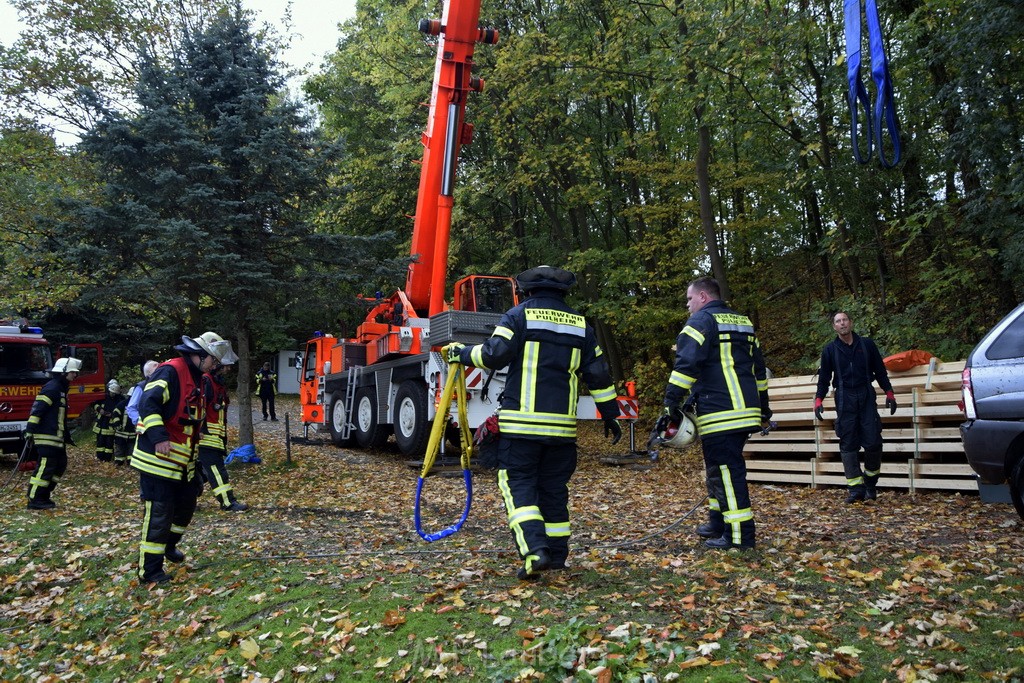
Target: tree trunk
245, 375
707, 219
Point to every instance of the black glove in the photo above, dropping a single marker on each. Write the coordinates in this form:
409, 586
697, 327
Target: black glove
612, 428
890, 402
818, 410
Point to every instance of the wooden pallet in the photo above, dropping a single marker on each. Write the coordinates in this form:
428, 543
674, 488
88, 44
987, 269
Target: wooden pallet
925, 429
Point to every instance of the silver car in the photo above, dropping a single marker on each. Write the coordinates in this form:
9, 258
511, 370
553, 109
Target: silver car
993, 401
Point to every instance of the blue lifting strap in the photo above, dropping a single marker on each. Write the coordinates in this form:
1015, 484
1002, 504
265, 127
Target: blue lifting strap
884, 119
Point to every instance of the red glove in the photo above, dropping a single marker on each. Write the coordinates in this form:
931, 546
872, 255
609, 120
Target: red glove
890, 402
817, 408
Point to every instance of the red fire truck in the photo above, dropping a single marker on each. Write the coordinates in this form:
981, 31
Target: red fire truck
25, 361
387, 378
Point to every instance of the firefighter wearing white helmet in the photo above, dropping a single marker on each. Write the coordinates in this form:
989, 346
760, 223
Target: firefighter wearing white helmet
171, 416
719, 362
48, 430
104, 425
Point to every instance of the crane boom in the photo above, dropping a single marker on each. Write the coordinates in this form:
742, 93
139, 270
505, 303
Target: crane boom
445, 134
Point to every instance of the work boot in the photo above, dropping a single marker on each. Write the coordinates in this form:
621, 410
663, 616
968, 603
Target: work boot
870, 490
723, 543
173, 554
536, 562
41, 505
153, 569
235, 507
855, 494
709, 530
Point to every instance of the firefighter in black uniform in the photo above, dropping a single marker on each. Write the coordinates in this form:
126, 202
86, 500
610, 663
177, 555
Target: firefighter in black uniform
851, 362
48, 431
718, 359
214, 440
544, 343
266, 384
171, 415
124, 431
104, 426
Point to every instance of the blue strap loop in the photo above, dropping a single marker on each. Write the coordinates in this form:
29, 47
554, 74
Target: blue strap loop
884, 118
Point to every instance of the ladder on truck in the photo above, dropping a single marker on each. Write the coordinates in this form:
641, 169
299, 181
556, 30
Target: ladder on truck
350, 402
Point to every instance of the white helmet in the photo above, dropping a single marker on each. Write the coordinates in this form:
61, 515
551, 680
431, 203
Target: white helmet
217, 346
66, 365
679, 434
114, 387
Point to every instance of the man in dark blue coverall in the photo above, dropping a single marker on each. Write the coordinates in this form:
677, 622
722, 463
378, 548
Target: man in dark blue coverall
851, 362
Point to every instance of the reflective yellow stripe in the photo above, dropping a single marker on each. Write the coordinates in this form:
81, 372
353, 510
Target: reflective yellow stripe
476, 356
43, 398
682, 381
856, 481
506, 495
160, 384
732, 380
601, 395
556, 529
528, 384
503, 332
177, 529
871, 473
729, 420
574, 380
154, 420
693, 334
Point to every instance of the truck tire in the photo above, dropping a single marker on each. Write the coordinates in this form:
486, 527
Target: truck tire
1017, 486
368, 433
336, 420
412, 428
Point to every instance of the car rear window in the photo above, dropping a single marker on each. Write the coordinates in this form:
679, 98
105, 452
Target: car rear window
1010, 343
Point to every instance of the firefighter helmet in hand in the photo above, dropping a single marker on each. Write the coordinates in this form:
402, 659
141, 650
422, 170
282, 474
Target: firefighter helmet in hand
679, 434
66, 365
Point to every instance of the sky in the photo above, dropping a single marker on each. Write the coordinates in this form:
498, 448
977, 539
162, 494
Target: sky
315, 20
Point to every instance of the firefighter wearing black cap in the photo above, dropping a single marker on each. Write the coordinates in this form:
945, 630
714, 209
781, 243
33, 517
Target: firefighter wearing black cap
718, 360
171, 415
213, 442
47, 429
545, 343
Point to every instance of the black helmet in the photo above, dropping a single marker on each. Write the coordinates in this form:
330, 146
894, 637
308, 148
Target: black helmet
546, 277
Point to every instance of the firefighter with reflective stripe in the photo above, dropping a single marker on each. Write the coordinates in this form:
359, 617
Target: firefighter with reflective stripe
546, 345
266, 385
124, 431
104, 426
851, 363
48, 430
718, 361
214, 439
171, 415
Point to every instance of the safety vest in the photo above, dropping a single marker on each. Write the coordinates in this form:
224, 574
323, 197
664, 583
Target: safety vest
215, 435
181, 421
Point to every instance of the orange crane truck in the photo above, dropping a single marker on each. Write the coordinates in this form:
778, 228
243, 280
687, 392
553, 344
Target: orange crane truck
388, 377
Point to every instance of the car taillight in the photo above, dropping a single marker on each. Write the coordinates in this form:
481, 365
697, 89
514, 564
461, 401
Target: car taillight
967, 393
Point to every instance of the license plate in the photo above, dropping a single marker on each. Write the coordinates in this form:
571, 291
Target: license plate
10, 427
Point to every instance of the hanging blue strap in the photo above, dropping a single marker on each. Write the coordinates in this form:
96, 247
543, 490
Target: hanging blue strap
430, 538
885, 105
857, 92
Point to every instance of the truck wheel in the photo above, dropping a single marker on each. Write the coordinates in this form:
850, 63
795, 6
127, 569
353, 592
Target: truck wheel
368, 433
336, 421
412, 429
1017, 486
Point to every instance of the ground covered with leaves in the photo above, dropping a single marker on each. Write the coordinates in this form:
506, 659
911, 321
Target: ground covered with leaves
325, 579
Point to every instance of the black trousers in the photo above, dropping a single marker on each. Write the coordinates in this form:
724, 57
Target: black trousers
728, 495
268, 402
53, 462
169, 507
533, 478
215, 472
857, 422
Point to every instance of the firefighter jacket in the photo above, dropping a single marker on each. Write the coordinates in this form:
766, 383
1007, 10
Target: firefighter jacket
266, 383
215, 431
171, 409
547, 346
124, 428
47, 421
718, 359
851, 366
104, 424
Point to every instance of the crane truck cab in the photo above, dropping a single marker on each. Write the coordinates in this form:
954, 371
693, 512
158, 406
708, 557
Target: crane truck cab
25, 362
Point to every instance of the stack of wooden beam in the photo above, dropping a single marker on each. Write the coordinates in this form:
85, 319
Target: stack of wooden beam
922, 440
